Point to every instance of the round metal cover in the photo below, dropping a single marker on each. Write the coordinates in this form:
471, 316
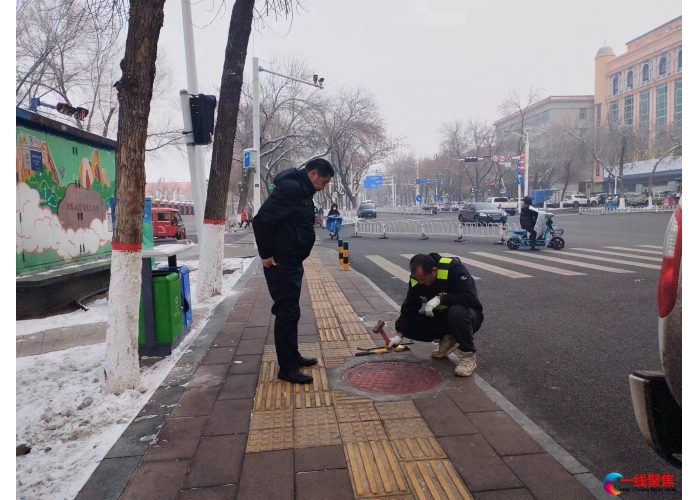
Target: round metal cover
392, 378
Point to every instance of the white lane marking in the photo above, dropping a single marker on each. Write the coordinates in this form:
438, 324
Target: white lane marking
390, 267
408, 256
650, 246
618, 254
655, 252
574, 263
606, 259
549, 269
494, 269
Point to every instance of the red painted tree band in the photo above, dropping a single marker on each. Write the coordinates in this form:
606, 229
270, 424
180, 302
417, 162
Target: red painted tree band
126, 247
214, 221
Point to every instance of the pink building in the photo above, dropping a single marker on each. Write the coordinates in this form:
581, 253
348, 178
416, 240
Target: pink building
643, 86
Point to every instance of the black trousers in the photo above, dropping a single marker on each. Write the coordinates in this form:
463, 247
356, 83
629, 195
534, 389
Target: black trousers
459, 321
284, 284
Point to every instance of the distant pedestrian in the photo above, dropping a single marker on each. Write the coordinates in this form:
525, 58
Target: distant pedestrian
244, 218
284, 232
528, 218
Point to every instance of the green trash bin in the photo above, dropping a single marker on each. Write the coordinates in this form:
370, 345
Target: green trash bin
167, 309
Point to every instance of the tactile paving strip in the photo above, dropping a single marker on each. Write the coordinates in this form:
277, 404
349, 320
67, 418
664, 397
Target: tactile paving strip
374, 470
275, 396
274, 419
315, 417
270, 353
327, 323
358, 336
344, 317
335, 356
435, 480
371, 430
323, 433
410, 449
414, 427
353, 329
344, 308
341, 398
268, 371
331, 334
270, 439
320, 382
324, 313
398, 409
311, 350
313, 400
356, 412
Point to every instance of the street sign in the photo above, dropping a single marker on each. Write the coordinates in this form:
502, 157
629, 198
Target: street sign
418, 197
373, 181
249, 158
520, 180
502, 191
421, 181
437, 198
494, 157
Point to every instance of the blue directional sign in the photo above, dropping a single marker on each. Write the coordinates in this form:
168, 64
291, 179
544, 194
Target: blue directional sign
373, 181
418, 197
421, 181
246, 159
502, 191
520, 180
437, 198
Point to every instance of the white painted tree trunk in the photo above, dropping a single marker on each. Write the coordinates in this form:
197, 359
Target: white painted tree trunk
122, 357
211, 259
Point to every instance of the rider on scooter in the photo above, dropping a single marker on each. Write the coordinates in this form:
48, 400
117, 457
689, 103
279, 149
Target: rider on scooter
528, 217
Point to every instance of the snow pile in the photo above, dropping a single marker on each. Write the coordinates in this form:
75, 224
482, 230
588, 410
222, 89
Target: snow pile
66, 417
97, 311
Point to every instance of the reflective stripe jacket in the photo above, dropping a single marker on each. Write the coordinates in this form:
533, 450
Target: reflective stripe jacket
454, 284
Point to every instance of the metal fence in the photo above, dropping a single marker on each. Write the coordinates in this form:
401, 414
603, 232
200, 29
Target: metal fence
402, 210
626, 210
432, 228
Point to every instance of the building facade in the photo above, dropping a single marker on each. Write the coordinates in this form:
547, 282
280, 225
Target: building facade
642, 87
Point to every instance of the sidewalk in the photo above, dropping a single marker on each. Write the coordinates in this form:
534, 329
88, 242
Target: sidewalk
228, 428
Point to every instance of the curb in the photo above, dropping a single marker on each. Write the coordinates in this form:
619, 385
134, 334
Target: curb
565, 459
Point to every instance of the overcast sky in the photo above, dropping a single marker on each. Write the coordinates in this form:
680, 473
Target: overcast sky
426, 61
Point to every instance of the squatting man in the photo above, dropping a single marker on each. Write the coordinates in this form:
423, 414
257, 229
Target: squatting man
442, 303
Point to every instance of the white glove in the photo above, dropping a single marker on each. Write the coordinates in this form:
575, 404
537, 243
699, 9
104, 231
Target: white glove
432, 304
394, 342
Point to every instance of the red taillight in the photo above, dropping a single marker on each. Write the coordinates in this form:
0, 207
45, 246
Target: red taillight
670, 266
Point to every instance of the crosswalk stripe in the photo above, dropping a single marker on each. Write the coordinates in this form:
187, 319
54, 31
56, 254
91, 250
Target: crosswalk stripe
408, 256
574, 263
650, 246
606, 259
618, 254
549, 269
494, 269
390, 267
655, 252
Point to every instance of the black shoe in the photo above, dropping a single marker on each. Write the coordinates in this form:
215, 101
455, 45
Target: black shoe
307, 361
296, 377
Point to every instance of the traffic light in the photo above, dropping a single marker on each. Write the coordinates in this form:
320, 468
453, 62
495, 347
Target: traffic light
66, 109
202, 108
471, 159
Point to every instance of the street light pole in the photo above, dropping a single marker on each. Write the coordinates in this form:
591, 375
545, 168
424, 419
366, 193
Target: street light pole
527, 160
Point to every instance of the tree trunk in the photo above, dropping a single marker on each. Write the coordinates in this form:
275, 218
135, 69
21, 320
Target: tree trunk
212, 253
134, 91
621, 173
653, 171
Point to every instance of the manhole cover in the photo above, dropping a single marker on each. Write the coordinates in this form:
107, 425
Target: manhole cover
392, 378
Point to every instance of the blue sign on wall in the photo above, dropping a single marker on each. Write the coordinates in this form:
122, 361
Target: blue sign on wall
373, 181
35, 157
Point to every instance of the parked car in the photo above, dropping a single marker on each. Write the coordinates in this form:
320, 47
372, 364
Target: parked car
433, 209
510, 207
455, 207
167, 223
578, 200
444, 207
656, 395
599, 198
633, 199
482, 213
367, 212
367, 202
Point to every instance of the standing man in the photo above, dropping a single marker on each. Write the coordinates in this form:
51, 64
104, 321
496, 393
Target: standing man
284, 232
528, 217
452, 312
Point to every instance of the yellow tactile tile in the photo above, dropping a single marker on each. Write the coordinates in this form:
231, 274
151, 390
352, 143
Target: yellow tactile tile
274, 419
435, 480
313, 400
335, 356
358, 337
331, 334
327, 323
326, 312
273, 396
354, 345
344, 308
371, 430
354, 329
315, 427
410, 449
375, 470
397, 409
270, 439
270, 353
356, 412
345, 317
341, 398
311, 350
414, 427
311, 417
320, 382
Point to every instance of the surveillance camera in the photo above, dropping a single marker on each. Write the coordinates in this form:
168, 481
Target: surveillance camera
320, 80
315, 78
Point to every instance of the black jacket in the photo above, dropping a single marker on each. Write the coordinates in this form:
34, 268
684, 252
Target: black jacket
284, 225
459, 289
528, 217
333, 211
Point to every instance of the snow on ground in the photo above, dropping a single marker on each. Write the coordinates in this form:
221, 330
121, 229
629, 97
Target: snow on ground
68, 436
97, 311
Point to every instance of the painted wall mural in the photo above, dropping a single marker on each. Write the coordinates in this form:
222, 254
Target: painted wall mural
63, 191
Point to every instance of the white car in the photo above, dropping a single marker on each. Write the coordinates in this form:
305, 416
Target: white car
578, 200
656, 395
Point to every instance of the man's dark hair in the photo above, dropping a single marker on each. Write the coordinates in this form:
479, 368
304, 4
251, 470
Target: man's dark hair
425, 262
527, 200
323, 167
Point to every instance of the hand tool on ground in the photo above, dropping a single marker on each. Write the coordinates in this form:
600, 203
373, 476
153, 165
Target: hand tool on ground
379, 328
